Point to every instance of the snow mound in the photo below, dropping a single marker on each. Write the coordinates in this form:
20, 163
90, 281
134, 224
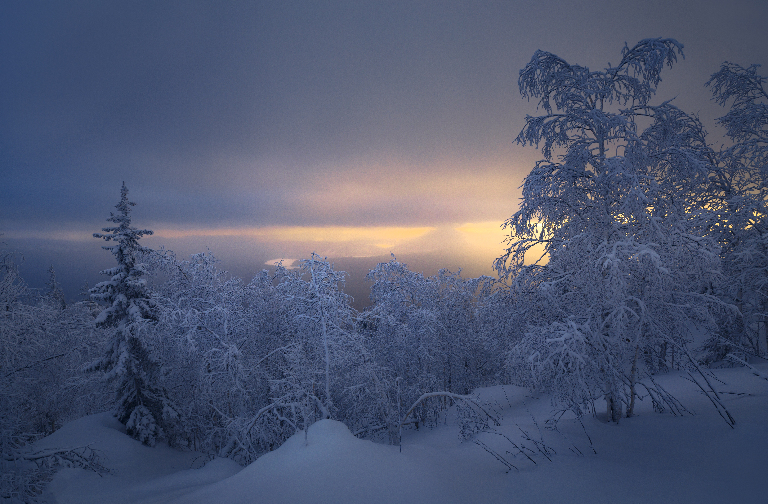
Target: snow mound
138, 473
332, 465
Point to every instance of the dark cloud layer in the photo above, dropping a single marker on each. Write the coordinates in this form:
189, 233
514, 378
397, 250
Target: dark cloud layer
169, 94
347, 113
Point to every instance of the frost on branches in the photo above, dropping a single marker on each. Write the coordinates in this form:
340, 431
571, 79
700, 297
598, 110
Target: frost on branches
141, 402
622, 279
43, 343
321, 357
735, 209
214, 338
426, 334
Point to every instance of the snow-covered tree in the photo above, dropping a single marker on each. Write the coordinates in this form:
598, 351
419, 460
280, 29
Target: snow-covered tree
213, 339
323, 344
43, 347
142, 404
54, 295
623, 278
12, 287
424, 336
735, 208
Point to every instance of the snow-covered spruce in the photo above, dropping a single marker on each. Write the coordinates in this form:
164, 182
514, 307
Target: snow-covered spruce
142, 404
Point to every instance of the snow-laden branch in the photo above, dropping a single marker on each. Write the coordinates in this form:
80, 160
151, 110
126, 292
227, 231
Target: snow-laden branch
710, 391
82, 457
471, 402
752, 368
33, 364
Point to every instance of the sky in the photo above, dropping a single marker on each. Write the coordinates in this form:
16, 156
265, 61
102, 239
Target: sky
267, 130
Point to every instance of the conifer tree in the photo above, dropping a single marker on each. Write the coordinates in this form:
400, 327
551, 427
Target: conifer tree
141, 402
54, 294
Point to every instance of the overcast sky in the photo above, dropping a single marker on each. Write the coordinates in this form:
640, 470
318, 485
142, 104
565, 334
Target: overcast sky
264, 130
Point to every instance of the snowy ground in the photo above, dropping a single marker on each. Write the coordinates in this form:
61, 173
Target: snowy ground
648, 458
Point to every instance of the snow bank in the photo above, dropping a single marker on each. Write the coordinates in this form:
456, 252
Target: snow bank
332, 466
648, 458
138, 473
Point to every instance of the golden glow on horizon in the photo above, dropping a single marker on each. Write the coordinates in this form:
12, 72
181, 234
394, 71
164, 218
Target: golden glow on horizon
471, 246
381, 236
478, 242
489, 238
485, 237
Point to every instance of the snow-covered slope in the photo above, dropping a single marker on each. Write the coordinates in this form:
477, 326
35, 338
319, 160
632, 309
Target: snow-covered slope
649, 458
137, 472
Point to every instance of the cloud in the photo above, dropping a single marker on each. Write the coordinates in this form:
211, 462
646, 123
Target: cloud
287, 263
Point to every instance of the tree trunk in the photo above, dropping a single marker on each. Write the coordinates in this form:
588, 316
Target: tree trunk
613, 403
632, 381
